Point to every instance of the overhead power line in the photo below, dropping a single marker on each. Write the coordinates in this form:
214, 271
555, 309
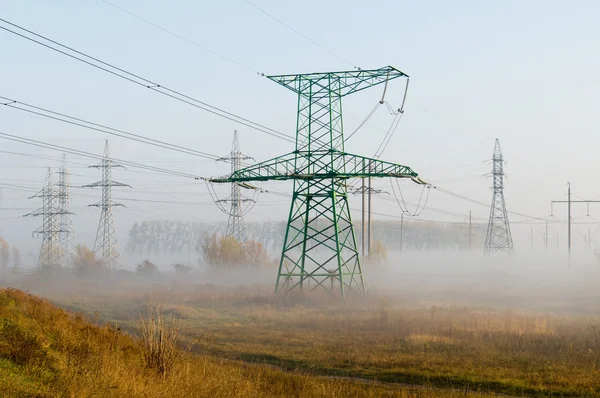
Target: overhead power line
61, 117
136, 79
302, 35
170, 32
63, 149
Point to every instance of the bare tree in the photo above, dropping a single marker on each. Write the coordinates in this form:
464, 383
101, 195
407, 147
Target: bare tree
16, 256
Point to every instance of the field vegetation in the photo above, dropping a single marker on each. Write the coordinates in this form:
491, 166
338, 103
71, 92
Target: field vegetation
518, 353
46, 351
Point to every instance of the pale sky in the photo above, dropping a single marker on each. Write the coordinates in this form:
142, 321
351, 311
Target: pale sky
524, 72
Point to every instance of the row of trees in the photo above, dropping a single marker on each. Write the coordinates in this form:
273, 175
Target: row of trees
163, 236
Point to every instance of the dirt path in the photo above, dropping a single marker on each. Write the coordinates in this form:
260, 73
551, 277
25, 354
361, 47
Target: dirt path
362, 380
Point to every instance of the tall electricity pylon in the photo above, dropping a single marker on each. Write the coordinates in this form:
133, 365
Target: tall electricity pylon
64, 205
498, 238
320, 245
235, 223
106, 246
51, 253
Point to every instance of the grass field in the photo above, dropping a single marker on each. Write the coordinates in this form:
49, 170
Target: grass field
49, 352
453, 348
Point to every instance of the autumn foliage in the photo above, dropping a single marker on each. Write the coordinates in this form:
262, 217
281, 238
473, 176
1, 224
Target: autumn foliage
228, 252
86, 263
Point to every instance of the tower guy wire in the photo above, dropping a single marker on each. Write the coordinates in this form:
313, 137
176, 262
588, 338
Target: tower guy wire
66, 236
51, 254
106, 246
498, 237
235, 223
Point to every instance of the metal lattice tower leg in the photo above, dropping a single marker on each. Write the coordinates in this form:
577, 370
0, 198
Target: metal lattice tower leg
498, 238
320, 248
51, 254
235, 223
106, 246
64, 205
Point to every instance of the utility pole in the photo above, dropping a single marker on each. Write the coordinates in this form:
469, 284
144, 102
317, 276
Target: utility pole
498, 237
235, 223
569, 203
106, 246
402, 232
470, 233
429, 237
532, 238
569, 206
363, 231
369, 222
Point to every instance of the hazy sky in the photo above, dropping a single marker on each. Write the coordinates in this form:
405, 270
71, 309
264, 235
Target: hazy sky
525, 72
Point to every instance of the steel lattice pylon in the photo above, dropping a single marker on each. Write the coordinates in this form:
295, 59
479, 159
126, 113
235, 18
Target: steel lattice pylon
498, 238
106, 246
64, 204
320, 246
235, 223
51, 253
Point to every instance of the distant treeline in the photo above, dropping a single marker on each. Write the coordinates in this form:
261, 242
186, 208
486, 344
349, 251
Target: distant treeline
417, 235
164, 236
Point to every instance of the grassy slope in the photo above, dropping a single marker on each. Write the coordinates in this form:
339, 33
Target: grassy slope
46, 352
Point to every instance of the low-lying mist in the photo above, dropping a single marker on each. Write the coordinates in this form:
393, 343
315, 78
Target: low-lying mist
538, 282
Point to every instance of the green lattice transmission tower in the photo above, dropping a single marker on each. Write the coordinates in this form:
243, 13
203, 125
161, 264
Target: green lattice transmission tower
320, 246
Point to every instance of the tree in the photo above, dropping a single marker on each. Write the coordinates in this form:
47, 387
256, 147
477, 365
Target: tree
229, 252
86, 263
222, 251
4, 254
255, 254
16, 254
146, 268
378, 253
133, 241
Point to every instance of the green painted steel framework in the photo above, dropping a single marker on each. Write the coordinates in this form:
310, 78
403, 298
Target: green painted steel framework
320, 245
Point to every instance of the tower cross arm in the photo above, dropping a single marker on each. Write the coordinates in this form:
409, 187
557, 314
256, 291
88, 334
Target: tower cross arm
106, 184
349, 81
319, 165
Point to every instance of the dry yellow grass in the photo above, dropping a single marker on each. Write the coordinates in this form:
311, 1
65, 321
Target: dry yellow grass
48, 352
515, 352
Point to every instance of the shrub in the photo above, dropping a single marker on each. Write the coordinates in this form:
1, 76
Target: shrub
158, 338
182, 269
20, 346
146, 268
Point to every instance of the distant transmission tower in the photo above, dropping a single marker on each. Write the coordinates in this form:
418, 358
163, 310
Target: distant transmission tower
64, 205
106, 246
498, 238
235, 224
51, 252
